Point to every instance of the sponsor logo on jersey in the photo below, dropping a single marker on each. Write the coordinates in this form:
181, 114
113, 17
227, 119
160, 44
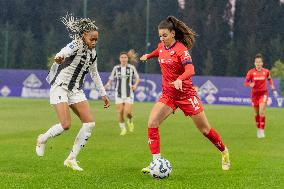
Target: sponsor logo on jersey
259, 78
164, 61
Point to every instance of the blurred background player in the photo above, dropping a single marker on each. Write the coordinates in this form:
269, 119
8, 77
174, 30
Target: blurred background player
256, 79
66, 78
124, 74
177, 87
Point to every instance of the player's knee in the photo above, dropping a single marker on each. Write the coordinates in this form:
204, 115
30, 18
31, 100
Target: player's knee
205, 130
153, 124
66, 124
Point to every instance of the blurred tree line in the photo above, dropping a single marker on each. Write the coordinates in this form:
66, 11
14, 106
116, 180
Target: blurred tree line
31, 31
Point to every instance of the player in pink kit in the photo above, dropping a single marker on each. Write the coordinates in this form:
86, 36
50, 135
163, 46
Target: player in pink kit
256, 79
177, 87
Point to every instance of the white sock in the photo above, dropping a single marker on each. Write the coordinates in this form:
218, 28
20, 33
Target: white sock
53, 131
81, 139
122, 125
156, 156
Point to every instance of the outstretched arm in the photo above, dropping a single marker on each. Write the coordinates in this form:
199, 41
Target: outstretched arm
145, 57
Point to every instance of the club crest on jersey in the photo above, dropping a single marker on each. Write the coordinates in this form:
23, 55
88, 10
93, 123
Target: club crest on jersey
172, 53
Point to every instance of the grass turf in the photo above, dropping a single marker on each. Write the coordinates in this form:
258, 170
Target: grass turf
113, 161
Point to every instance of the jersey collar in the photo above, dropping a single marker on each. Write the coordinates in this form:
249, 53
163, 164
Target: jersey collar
170, 46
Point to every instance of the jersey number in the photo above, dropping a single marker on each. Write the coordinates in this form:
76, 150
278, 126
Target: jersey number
194, 102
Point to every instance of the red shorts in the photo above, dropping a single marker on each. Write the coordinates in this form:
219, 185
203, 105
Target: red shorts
190, 105
260, 97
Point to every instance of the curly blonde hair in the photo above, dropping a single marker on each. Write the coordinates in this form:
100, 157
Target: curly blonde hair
77, 26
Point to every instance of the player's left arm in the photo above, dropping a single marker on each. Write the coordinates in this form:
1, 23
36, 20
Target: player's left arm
98, 82
271, 84
186, 61
137, 79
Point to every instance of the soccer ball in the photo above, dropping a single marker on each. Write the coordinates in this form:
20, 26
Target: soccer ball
160, 168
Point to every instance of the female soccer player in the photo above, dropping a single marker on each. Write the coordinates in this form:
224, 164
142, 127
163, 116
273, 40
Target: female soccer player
177, 87
124, 96
66, 78
256, 79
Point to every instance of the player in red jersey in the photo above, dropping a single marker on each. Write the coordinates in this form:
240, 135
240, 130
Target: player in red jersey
177, 88
256, 79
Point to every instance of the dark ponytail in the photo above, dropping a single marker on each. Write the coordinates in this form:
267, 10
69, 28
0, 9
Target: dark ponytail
183, 33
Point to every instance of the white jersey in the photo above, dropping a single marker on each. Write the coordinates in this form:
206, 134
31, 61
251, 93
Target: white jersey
124, 77
79, 60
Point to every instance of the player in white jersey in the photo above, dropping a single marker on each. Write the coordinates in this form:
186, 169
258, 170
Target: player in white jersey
66, 78
124, 74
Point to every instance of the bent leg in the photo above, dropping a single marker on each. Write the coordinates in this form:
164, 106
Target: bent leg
201, 122
83, 111
63, 115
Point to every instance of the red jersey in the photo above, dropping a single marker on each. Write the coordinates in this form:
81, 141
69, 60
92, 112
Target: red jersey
259, 78
172, 61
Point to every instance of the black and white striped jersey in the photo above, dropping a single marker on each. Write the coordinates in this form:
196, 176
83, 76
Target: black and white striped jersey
79, 60
124, 76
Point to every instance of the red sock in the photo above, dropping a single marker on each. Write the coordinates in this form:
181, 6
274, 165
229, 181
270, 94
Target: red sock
261, 122
154, 140
257, 121
215, 138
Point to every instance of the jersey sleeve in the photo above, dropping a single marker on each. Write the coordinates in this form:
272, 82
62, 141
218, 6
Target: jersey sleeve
155, 53
188, 72
184, 55
97, 79
135, 73
69, 50
113, 73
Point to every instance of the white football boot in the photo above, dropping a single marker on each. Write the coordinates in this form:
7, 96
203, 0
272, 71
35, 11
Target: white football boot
40, 146
260, 133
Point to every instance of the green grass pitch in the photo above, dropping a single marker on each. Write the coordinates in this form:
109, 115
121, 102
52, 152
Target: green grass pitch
112, 161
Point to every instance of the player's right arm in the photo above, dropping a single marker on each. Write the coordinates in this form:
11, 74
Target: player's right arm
248, 80
67, 51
